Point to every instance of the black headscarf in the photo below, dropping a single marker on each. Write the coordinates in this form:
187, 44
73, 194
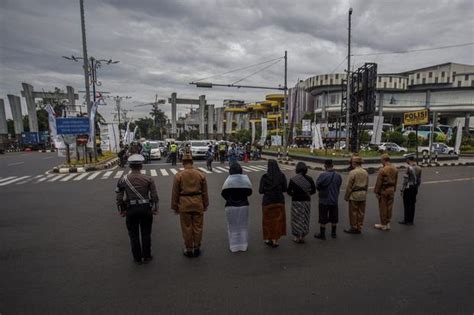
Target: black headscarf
235, 168
273, 170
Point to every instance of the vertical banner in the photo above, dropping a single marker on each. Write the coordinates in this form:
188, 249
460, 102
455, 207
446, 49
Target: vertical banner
90, 142
253, 131
126, 134
306, 128
457, 143
134, 134
317, 139
263, 137
377, 130
57, 141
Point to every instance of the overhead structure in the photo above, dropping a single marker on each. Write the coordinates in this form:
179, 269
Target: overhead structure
174, 101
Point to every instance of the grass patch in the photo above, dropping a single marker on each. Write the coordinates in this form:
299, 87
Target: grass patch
104, 157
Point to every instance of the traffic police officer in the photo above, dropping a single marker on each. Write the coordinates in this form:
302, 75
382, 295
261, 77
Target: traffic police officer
385, 191
137, 200
173, 152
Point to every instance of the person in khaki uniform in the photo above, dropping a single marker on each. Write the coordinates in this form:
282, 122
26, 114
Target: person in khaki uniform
356, 195
385, 190
190, 199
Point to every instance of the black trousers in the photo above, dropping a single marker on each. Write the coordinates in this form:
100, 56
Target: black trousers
209, 164
139, 221
409, 200
173, 158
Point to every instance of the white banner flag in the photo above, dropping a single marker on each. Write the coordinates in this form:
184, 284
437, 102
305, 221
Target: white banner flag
253, 131
377, 130
317, 139
263, 137
457, 143
57, 141
90, 142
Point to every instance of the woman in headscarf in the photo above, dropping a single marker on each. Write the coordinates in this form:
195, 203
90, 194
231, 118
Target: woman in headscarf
235, 191
272, 186
300, 188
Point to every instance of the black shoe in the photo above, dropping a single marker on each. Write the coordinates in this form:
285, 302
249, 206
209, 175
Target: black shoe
269, 243
147, 260
352, 231
188, 253
405, 223
138, 262
333, 232
196, 252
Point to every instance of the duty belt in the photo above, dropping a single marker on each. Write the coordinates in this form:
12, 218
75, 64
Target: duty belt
359, 189
191, 194
138, 202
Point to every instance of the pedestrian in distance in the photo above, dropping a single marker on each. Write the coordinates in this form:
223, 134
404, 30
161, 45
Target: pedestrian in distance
209, 158
173, 152
236, 190
328, 185
137, 200
190, 200
232, 154
222, 151
272, 185
411, 183
300, 188
385, 188
356, 195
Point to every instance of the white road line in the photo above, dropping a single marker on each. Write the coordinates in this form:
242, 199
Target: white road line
107, 174
215, 170
49, 157
153, 173
221, 168
38, 176
164, 172
204, 170
118, 174
94, 175
81, 176
44, 178
7, 178
447, 181
255, 168
25, 181
143, 172
262, 167
17, 163
55, 178
13, 180
65, 179
174, 171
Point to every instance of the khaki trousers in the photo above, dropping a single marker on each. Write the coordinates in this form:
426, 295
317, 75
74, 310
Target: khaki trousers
191, 228
385, 207
356, 214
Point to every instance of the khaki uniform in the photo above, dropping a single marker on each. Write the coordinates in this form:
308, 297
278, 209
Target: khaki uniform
356, 195
190, 199
385, 190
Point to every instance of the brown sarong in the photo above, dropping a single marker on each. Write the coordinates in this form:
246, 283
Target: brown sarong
273, 221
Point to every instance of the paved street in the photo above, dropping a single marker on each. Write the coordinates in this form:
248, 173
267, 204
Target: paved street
64, 249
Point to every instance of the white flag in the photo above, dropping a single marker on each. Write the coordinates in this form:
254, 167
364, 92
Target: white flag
90, 142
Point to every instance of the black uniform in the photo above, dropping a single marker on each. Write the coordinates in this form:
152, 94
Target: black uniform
137, 196
411, 182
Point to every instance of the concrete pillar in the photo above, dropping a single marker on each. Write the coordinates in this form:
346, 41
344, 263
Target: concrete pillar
238, 121
228, 122
3, 119
15, 106
467, 121
246, 121
31, 106
71, 99
219, 121
202, 122
210, 121
324, 106
173, 115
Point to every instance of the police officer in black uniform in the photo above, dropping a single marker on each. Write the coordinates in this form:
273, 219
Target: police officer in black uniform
137, 200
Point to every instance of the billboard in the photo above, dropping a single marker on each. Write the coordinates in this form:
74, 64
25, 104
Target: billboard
72, 126
419, 117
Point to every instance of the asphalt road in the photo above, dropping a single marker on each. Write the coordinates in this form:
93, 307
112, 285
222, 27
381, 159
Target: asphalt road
64, 250
27, 163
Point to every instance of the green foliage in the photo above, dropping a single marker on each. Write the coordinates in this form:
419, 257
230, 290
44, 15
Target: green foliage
243, 136
364, 137
411, 139
145, 126
310, 116
397, 137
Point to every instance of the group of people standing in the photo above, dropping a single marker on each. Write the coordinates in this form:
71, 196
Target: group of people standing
137, 200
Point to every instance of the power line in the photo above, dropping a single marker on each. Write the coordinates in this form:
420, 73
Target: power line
260, 70
413, 50
240, 69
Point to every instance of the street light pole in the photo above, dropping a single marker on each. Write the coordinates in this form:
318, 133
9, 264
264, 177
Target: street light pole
285, 102
348, 93
86, 60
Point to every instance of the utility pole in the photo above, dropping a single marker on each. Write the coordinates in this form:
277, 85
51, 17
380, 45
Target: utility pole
285, 102
348, 97
85, 59
118, 99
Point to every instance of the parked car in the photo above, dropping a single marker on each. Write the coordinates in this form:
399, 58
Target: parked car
438, 147
199, 148
392, 147
155, 153
424, 132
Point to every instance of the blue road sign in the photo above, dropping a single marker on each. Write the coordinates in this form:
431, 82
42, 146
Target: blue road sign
29, 138
72, 126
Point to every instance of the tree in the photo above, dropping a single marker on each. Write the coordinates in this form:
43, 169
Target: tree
145, 126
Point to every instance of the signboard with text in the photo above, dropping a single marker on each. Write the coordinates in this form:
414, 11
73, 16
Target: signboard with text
72, 126
420, 117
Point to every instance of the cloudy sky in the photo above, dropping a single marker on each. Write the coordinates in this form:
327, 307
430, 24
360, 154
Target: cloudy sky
162, 45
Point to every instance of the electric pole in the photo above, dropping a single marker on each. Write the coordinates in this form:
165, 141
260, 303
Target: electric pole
348, 97
85, 59
285, 102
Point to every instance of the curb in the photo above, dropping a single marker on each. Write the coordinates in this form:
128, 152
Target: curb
64, 170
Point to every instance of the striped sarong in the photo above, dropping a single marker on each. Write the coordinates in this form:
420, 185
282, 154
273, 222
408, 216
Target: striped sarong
237, 227
300, 212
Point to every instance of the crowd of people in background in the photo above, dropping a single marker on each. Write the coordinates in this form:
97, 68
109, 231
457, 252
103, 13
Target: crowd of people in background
190, 199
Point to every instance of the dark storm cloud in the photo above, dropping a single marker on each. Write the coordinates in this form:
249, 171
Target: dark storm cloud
162, 45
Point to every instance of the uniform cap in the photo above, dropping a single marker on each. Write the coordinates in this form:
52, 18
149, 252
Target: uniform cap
357, 159
136, 159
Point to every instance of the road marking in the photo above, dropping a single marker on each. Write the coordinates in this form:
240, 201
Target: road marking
107, 174
56, 178
174, 171
7, 178
81, 176
215, 170
118, 174
94, 175
255, 168
49, 157
245, 168
25, 181
13, 180
17, 163
153, 173
44, 178
221, 168
65, 179
262, 167
164, 172
447, 181
143, 172
204, 170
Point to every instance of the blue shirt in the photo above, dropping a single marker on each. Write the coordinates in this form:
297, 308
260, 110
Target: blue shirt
329, 184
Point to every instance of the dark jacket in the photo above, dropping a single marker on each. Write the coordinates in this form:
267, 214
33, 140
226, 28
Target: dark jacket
236, 190
328, 184
272, 190
297, 192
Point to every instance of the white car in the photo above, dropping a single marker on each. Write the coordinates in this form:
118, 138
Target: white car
155, 153
392, 147
437, 147
199, 148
